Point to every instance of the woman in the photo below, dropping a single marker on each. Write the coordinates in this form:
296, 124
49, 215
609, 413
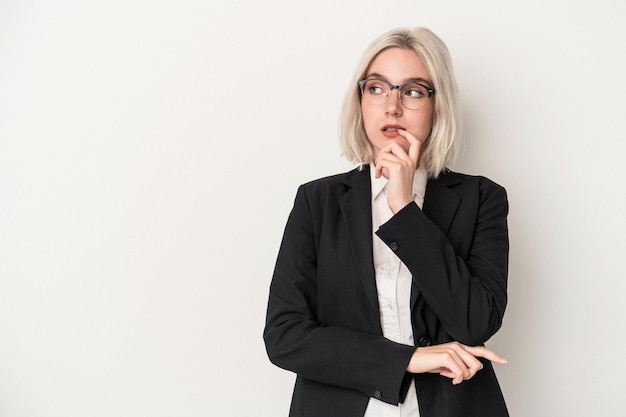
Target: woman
380, 307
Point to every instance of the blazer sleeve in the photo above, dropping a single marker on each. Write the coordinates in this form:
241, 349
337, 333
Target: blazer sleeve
466, 292
297, 341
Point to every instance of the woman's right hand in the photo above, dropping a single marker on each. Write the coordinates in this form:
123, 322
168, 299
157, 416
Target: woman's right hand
452, 360
398, 165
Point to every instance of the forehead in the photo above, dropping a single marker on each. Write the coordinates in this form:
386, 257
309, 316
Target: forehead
398, 65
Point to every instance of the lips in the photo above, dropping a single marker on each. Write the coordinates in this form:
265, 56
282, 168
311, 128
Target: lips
391, 131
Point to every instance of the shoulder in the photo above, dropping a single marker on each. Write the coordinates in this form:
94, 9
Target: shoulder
470, 188
336, 183
487, 195
453, 179
324, 194
342, 178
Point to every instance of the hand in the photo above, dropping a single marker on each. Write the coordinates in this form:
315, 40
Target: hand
452, 360
398, 166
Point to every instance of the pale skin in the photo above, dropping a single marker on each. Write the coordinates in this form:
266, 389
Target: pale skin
396, 157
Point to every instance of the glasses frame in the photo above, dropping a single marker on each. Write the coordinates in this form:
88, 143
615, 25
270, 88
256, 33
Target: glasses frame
431, 91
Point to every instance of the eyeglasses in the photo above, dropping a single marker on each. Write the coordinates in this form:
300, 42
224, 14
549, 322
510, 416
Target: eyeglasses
412, 95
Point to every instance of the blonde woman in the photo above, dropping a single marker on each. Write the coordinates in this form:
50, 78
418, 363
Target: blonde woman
391, 277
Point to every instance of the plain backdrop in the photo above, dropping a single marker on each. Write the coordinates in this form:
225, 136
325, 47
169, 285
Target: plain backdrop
150, 152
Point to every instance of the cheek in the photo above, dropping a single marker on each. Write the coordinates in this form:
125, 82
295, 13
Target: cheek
368, 119
365, 113
423, 125
431, 117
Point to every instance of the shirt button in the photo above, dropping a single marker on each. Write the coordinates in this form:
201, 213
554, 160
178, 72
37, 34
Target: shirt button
393, 246
378, 395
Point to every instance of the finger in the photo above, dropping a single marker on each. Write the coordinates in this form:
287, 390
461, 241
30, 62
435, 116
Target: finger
456, 367
415, 145
396, 149
472, 363
441, 359
483, 352
449, 374
379, 169
379, 166
395, 156
393, 148
402, 160
386, 160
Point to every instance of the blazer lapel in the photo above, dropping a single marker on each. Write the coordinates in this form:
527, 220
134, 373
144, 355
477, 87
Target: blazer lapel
440, 203
356, 209
440, 206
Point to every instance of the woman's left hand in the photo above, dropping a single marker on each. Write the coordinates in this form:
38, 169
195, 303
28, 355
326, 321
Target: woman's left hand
398, 166
453, 360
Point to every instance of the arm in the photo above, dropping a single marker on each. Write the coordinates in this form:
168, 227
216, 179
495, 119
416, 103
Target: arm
296, 339
468, 294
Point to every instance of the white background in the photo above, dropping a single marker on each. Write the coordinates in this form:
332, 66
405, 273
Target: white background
149, 156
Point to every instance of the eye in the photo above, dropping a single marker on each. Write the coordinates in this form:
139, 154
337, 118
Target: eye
376, 88
414, 91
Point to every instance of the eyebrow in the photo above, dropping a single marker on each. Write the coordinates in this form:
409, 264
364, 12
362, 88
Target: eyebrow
416, 80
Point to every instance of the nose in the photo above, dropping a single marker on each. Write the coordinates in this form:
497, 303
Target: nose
393, 105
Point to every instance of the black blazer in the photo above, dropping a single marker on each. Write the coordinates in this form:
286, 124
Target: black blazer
323, 319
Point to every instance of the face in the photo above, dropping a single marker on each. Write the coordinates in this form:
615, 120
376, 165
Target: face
381, 121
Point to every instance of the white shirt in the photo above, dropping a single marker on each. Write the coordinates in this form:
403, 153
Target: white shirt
393, 282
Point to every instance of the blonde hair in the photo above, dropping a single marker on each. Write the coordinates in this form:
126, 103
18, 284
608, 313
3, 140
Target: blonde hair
443, 143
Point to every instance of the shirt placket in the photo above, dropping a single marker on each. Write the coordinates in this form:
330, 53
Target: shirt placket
388, 298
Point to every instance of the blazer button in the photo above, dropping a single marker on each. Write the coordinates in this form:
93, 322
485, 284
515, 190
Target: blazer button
393, 246
378, 395
423, 341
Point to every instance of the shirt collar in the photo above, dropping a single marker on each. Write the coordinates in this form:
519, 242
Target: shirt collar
419, 182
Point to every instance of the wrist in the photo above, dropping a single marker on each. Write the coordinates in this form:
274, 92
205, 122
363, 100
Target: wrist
397, 206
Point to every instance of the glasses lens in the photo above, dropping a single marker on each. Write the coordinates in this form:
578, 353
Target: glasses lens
376, 91
413, 96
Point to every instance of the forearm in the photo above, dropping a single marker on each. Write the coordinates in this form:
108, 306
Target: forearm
340, 356
468, 294
319, 321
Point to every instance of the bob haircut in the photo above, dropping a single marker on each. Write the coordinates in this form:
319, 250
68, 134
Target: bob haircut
442, 145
